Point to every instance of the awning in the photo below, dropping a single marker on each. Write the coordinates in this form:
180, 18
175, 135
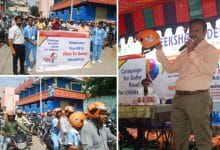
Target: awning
127, 6
138, 15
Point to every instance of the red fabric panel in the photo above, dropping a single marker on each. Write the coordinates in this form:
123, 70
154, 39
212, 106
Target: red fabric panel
158, 15
138, 19
209, 8
182, 11
122, 28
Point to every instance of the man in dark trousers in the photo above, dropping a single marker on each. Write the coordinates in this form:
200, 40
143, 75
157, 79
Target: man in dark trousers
192, 104
16, 44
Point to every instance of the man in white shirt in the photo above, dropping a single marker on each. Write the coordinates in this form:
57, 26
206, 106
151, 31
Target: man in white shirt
16, 44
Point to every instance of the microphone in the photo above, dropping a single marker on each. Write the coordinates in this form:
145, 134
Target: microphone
184, 46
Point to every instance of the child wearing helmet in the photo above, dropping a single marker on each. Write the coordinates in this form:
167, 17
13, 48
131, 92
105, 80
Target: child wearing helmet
76, 120
65, 125
55, 127
94, 135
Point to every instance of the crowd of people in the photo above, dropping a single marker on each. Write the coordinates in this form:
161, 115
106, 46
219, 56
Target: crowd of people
21, 34
75, 130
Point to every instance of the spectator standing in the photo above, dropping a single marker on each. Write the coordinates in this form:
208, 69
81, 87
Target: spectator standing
30, 35
98, 38
16, 44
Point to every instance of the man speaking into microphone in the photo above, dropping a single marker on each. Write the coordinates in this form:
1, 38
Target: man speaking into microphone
192, 104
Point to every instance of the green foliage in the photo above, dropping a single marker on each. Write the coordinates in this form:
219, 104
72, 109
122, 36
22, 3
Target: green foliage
34, 11
101, 86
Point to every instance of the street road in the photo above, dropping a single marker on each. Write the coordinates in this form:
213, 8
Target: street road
37, 144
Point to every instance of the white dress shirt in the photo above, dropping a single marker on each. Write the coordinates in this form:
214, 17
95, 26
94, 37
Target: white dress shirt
16, 34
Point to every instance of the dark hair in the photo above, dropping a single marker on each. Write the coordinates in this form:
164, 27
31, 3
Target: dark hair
100, 23
146, 80
18, 17
199, 21
29, 17
81, 21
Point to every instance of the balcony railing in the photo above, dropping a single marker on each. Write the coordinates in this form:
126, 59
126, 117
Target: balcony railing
58, 92
64, 4
109, 2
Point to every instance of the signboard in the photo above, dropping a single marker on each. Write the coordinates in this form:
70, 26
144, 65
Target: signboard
62, 50
131, 73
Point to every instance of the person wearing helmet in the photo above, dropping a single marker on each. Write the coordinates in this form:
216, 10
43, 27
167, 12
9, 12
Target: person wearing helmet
94, 135
44, 115
46, 123
34, 120
63, 113
76, 120
22, 119
55, 127
10, 128
65, 125
24, 114
34, 117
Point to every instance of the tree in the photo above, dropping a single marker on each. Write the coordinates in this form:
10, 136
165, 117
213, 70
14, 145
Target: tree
100, 86
34, 11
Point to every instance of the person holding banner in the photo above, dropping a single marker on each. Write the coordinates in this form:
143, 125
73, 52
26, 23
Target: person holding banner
40, 24
192, 104
30, 35
16, 44
98, 39
56, 25
82, 27
71, 26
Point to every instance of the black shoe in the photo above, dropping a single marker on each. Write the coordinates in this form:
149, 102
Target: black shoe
24, 73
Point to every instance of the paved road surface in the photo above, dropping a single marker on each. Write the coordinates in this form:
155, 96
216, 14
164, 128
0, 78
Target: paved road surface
108, 67
37, 144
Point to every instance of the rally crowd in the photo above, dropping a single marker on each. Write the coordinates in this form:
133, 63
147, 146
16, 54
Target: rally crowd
64, 129
22, 37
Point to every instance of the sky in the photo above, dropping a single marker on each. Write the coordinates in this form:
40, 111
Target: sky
11, 81
31, 2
